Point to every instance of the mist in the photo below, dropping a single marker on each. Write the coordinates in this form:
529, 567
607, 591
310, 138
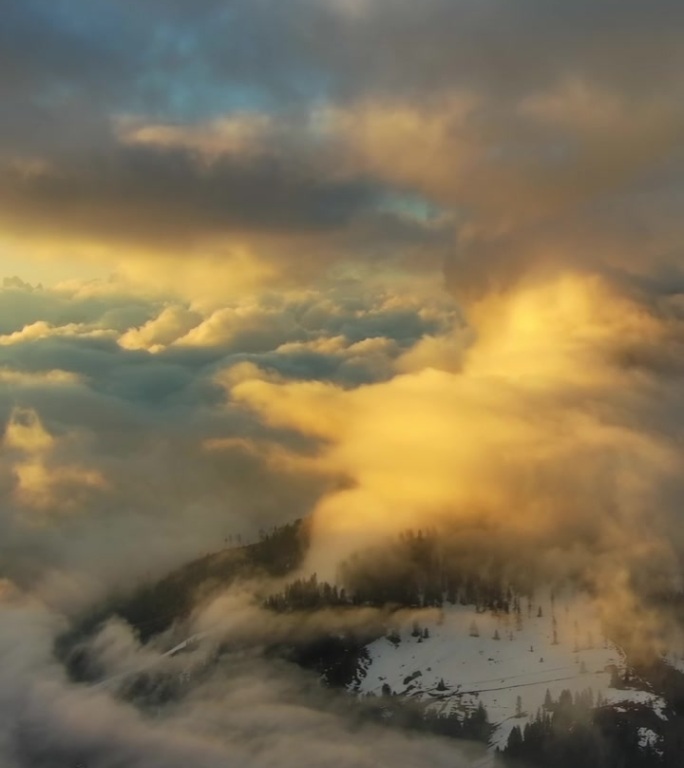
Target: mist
247, 711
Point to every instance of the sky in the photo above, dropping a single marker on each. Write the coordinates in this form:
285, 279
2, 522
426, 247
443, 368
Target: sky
383, 263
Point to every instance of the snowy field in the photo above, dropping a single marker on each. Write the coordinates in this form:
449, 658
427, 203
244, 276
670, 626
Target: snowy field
506, 661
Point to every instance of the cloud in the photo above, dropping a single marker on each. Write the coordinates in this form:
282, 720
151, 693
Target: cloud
173, 323
248, 712
517, 137
139, 441
540, 438
43, 330
23, 378
514, 408
240, 135
43, 482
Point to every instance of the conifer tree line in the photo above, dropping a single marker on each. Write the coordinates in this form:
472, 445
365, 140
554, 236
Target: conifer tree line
419, 569
581, 730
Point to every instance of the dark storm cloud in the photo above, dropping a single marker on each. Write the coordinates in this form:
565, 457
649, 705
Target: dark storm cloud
316, 47
64, 65
505, 46
72, 68
198, 59
162, 194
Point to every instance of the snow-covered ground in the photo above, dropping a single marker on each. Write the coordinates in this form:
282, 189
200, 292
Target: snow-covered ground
675, 660
505, 661
649, 738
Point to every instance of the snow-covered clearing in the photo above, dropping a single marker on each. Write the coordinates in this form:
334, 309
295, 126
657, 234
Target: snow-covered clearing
506, 661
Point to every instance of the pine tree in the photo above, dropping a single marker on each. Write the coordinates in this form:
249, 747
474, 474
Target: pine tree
565, 700
515, 742
479, 723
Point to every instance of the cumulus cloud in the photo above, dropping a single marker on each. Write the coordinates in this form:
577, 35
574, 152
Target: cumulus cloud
173, 323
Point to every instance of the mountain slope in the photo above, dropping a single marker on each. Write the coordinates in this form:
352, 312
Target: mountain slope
505, 662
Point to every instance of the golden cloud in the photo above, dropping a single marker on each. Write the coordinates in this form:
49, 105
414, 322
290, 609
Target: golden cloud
45, 482
524, 436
